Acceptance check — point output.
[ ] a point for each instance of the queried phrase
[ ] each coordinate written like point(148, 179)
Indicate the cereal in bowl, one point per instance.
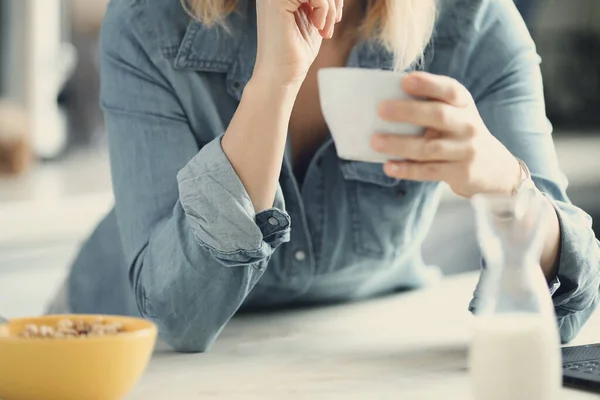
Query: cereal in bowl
point(67, 328)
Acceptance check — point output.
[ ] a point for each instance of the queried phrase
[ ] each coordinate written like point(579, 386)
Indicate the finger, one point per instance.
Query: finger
point(418, 148)
point(432, 134)
point(428, 114)
point(331, 18)
point(416, 171)
point(318, 16)
point(437, 87)
point(339, 6)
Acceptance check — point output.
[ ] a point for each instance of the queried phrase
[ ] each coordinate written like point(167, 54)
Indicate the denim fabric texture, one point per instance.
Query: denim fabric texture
point(183, 245)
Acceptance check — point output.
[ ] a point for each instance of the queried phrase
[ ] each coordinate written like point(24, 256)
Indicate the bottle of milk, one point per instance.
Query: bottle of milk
point(515, 352)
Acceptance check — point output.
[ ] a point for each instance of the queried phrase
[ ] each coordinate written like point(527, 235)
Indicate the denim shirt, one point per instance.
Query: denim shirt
point(184, 246)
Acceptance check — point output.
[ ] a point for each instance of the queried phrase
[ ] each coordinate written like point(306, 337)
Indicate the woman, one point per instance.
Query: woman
point(229, 192)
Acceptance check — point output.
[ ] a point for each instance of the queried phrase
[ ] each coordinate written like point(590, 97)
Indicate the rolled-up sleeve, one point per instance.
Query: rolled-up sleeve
point(502, 71)
point(221, 212)
point(193, 244)
point(578, 280)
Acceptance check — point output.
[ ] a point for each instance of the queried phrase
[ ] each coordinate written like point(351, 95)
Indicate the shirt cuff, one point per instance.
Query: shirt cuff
point(553, 286)
point(221, 213)
point(578, 274)
point(576, 286)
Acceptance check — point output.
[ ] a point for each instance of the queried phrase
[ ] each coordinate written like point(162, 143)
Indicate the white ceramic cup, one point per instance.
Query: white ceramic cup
point(349, 101)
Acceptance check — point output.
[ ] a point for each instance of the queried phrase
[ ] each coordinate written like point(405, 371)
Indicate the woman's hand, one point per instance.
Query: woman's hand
point(457, 148)
point(290, 33)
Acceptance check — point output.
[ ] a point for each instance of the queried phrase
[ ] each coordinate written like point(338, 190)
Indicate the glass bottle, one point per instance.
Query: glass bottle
point(515, 352)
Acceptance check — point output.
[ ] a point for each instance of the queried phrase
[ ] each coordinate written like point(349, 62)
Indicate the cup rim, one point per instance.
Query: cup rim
point(371, 71)
point(148, 329)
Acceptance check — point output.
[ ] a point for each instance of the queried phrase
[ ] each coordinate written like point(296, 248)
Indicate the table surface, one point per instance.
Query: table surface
point(409, 346)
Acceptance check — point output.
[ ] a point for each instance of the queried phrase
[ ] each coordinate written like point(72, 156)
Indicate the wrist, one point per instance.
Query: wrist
point(272, 80)
point(515, 176)
point(271, 92)
point(524, 180)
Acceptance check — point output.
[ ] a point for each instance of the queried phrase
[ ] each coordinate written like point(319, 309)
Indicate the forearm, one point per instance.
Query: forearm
point(551, 251)
point(255, 139)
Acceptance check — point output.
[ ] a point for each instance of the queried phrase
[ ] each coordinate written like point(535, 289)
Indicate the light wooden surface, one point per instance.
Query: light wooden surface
point(409, 346)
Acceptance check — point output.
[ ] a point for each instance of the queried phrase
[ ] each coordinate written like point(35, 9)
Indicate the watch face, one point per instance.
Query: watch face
point(525, 198)
point(528, 185)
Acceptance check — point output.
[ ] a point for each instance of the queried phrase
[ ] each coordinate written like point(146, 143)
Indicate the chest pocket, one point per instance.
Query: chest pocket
point(383, 210)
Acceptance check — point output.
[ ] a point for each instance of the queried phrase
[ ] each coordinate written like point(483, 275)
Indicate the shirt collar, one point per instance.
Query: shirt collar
point(233, 50)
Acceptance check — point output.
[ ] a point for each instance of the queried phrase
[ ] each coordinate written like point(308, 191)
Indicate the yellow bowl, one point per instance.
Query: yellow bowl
point(95, 368)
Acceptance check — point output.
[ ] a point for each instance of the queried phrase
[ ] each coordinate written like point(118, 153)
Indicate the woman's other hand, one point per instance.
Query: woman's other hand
point(456, 148)
point(290, 33)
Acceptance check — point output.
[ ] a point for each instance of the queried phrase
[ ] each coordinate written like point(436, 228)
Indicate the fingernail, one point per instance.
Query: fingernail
point(339, 15)
point(411, 83)
point(393, 168)
point(385, 108)
point(378, 143)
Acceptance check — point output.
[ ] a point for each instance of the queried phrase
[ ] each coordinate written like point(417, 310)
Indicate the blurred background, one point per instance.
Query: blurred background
point(54, 172)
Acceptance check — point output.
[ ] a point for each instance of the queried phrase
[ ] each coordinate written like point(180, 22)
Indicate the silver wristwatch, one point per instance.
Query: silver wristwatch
point(525, 183)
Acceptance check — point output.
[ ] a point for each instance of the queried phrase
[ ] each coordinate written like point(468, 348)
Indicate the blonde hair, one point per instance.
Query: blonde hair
point(404, 27)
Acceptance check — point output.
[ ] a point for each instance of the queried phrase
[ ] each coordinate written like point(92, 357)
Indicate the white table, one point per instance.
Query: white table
point(409, 346)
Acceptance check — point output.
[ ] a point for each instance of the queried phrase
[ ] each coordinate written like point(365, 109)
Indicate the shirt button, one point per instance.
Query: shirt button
point(300, 255)
point(273, 221)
